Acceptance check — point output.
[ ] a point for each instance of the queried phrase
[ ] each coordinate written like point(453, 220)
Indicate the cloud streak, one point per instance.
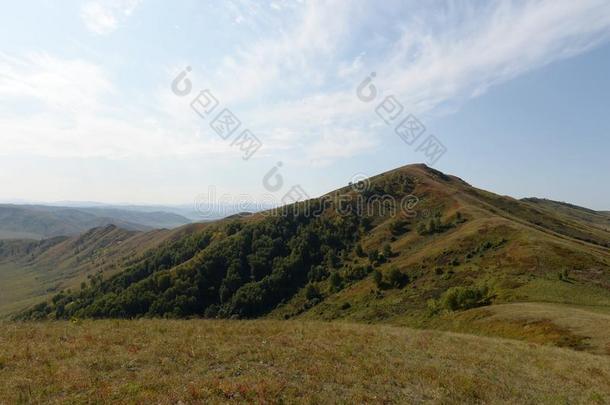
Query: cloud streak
point(429, 58)
point(294, 86)
point(104, 17)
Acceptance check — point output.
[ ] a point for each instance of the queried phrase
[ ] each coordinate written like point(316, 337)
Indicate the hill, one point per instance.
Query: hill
point(168, 361)
point(407, 247)
point(156, 219)
point(31, 271)
point(40, 221)
point(595, 219)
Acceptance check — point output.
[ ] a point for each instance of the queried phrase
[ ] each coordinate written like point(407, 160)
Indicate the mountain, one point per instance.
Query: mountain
point(189, 211)
point(411, 246)
point(39, 221)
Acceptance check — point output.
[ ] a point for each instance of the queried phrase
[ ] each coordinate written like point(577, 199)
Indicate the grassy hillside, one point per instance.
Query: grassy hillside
point(354, 262)
point(579, 328)
point(410, 248)
point(152, 219)
point(597, 219)
point(31, 271)
point(203, 361)
point(39, 222)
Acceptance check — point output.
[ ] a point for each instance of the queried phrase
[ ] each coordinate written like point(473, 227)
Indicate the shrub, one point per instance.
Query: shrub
point(398, 227)
point(336, 281)
point(461, 298)
point(331, 260)
point(396, 278)
point(211, 311)
point(367, 223)
point(374, 257)
point(357, 273)
point(387, 250)
point(378, 278)
point(311, 292)
point(359, 251)
point(317, 273)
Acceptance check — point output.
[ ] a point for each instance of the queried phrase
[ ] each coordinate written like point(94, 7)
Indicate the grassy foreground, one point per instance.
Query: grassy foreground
point(200, 361)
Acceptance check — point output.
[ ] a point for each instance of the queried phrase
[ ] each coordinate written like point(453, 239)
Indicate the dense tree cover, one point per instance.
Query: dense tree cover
point(113, 297)
point(240, 270)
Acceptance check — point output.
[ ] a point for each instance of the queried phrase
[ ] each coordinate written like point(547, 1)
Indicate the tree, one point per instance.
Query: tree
point(359, 251)
point(311, 292)
point(367, 223)
point(336, 281)
point(397, 227)
point(432, 226)
point(396, 278)
point(374, 256)
point(164, 281)
point(211, 311)
point(378, 278)
point(331, 259)
point(317, 273)
point(387, 250)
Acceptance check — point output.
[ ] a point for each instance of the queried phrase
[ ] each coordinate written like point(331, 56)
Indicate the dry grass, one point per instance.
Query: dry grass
point(196, 361)
point(580, 328)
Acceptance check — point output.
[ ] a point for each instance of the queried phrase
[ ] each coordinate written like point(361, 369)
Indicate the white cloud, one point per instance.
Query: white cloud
point(70, 108)
point(438, 57)
point(103, 17)
point(335, 144)
point(484, 46)
point(59, 84)
point(295, 87)
point(294, 58)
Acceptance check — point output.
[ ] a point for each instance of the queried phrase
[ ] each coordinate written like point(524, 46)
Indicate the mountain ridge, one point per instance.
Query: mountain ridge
point(41, 221)
point(294, 265)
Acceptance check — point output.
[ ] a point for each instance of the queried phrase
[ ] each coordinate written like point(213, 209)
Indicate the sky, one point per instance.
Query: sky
point(127, 101)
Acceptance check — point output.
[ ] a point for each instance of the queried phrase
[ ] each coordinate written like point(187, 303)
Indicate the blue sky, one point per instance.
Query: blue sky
point(517, 92)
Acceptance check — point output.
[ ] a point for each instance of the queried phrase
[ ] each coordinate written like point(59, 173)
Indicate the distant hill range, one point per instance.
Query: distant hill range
point(42, 221)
